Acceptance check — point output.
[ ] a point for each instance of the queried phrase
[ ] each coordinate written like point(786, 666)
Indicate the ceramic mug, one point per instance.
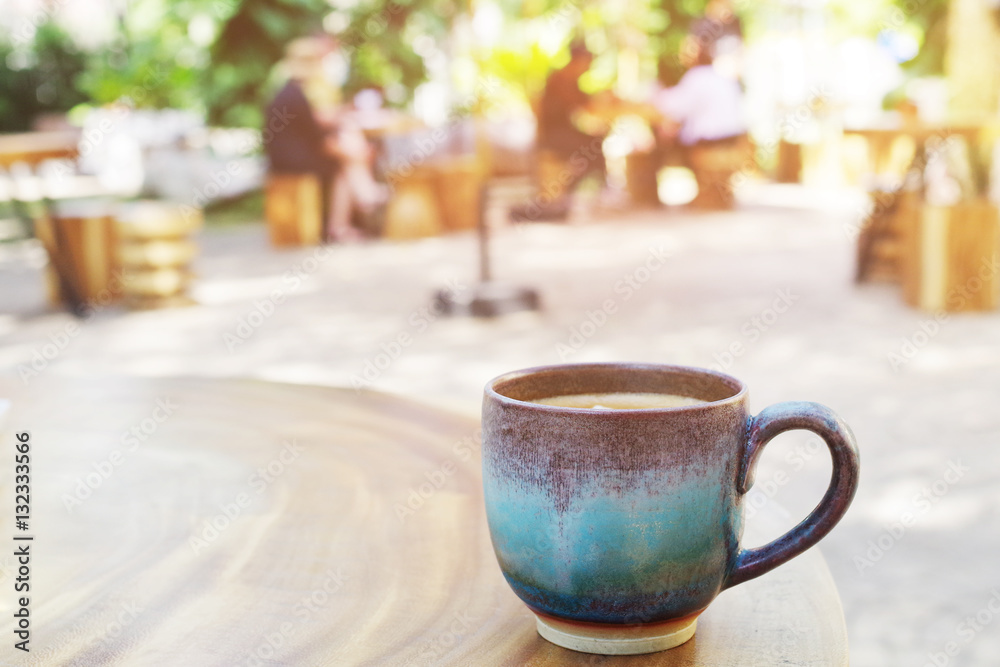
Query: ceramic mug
point(618, 527)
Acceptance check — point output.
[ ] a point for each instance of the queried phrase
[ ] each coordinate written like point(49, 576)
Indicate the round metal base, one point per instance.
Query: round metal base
point(488, 299)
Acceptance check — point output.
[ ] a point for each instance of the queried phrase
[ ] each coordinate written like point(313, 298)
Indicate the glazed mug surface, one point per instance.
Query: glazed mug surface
point(618, 527)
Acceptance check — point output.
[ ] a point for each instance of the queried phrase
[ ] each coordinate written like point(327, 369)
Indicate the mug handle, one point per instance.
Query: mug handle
point(822, 421)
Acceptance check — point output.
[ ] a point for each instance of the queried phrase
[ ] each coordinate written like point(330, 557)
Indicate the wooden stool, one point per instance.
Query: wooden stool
point(458, 186)
point(950, 257)
point(155, 252)
point(80, 238)
point(641, 170)
point(789, 169)
point(413, 210)
point(293, 207)
point(713, 166)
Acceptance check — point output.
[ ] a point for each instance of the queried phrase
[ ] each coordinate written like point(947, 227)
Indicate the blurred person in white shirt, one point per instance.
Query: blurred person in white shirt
point(705, 106)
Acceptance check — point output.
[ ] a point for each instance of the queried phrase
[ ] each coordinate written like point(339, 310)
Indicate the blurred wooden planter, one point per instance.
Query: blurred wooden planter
point(155, 252)
point(950, 257)
point(80, 238)
point(293, 207)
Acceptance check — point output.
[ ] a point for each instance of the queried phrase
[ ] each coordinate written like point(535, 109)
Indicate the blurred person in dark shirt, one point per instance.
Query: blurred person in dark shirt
point(571, 127)
point(308, 131)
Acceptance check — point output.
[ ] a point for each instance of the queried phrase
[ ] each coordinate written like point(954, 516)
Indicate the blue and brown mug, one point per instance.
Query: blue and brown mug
point(619, 526)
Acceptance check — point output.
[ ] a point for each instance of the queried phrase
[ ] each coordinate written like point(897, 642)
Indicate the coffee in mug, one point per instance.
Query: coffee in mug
point(622, 400)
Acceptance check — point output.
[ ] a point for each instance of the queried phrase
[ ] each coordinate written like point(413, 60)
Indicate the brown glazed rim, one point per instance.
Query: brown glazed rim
point(738, 388)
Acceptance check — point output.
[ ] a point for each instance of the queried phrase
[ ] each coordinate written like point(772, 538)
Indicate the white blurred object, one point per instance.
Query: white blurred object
point(866, 73)
point(487, 23)
point(368, 100)
point(431, 103)
point(336, 69)
point(170, 154)
point(930, 94)
point(676, 186)
point(123, 173)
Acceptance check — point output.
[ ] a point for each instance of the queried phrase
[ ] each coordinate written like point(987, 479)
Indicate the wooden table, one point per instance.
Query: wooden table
point(35, 147)
point(881, 139)
point(348, 530)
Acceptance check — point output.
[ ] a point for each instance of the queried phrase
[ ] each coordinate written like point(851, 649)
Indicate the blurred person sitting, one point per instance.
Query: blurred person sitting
point(570, 126)
point(705, 107)
point(703, 111)
point(313, 132)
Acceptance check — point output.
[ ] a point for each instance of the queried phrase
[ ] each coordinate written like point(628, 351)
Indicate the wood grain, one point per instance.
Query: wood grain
point(321, 565)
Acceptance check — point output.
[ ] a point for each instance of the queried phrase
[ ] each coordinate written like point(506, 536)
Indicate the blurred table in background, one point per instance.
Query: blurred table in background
point(892, 149)
point(254, 522)
point(34, 147)
point(937, 252)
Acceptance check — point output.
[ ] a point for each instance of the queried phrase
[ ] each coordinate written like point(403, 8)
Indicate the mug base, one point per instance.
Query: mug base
point(616, 640)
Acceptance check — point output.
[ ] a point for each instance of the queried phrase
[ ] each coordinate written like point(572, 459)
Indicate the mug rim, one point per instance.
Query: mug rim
point(739, 395)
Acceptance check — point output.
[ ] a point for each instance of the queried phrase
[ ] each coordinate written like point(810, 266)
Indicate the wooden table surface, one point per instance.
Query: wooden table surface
point(238, 522)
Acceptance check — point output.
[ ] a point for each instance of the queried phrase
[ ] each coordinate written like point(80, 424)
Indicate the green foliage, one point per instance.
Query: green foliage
point(38, 79)
point(153, 61)
point(250, 43)
point(158, 59)
point(930, 20)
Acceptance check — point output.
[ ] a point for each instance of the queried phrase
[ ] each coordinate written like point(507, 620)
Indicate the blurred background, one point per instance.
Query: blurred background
point(415, 196)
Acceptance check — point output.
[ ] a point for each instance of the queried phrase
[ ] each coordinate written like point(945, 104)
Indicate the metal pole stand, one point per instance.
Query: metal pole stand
point(488, 298)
